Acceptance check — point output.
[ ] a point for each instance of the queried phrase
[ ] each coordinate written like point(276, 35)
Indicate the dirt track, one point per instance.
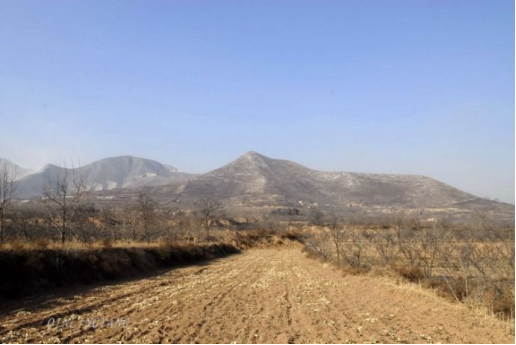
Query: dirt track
point(261, 295)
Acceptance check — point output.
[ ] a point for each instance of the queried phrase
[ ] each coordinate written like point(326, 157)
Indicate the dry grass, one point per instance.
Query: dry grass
point(28, 269)
point(475, 272)
point(43, 243)
point(44, 264)
point(264, 238)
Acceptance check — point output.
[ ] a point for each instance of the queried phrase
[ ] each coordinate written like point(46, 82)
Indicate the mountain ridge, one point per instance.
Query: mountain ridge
point(256, 182)
point(105, 174)
point(18, 170)
point(253, 180)
point(256, 174)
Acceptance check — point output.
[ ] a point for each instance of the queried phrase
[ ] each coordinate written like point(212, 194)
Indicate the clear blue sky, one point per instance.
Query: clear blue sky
point(422, 87)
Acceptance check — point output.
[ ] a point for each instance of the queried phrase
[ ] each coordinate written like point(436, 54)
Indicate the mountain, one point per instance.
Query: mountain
point(259, 183)
point(257, 180)
point(19, 171)
point(105, 174)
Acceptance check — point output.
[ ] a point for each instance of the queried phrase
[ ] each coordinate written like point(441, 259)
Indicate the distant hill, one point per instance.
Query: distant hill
point(105, 174)
point(257, 180)
point(19, 171)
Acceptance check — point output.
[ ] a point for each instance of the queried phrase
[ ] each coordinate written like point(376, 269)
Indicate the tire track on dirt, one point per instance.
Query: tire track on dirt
point(262, 295)
point(231, 280)
point(91, 301)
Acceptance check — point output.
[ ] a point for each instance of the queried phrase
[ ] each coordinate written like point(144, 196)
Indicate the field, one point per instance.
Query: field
point(180, 277)
point(260, 296)
point(475, 267)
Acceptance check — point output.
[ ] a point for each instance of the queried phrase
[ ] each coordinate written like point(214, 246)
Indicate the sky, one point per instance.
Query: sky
point(417, 87)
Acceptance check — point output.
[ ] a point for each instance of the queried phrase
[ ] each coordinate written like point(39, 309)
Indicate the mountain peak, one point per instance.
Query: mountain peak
point(19, 172)
point(250, 162)
point(253, 158)
point(252, 154)
point(49, 166)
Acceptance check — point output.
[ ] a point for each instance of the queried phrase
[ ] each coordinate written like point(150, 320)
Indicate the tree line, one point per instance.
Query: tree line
point(473, 263)
point(63, 214)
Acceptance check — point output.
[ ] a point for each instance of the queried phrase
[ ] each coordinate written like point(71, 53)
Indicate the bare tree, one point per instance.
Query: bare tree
point(129, 216)
point(111, 222)
point(386, 247)
point(193, 227)
point(8, 186)
point(210, 210)
point(147, 207)
point(83, 227)
point(336, 233)
point(62, 197)
point(355, 244)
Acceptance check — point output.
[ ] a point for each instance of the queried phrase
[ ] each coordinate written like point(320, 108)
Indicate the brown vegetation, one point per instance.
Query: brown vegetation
point(473, 266)
point(27, 271)
point(8, 185)
point(469, 264)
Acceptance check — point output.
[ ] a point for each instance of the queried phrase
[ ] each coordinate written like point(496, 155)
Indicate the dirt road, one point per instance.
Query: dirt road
point(261, 295)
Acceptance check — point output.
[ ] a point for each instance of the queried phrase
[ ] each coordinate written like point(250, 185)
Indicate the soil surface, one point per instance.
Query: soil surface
point(273, 295)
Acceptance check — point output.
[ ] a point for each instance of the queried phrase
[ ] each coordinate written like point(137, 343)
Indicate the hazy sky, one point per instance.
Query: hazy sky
point(422, 87)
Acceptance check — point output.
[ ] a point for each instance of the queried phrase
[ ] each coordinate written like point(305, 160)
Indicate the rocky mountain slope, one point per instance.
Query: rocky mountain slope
point(18, 170)
point(257, 180)
point(254, 176)
point(105, 174)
